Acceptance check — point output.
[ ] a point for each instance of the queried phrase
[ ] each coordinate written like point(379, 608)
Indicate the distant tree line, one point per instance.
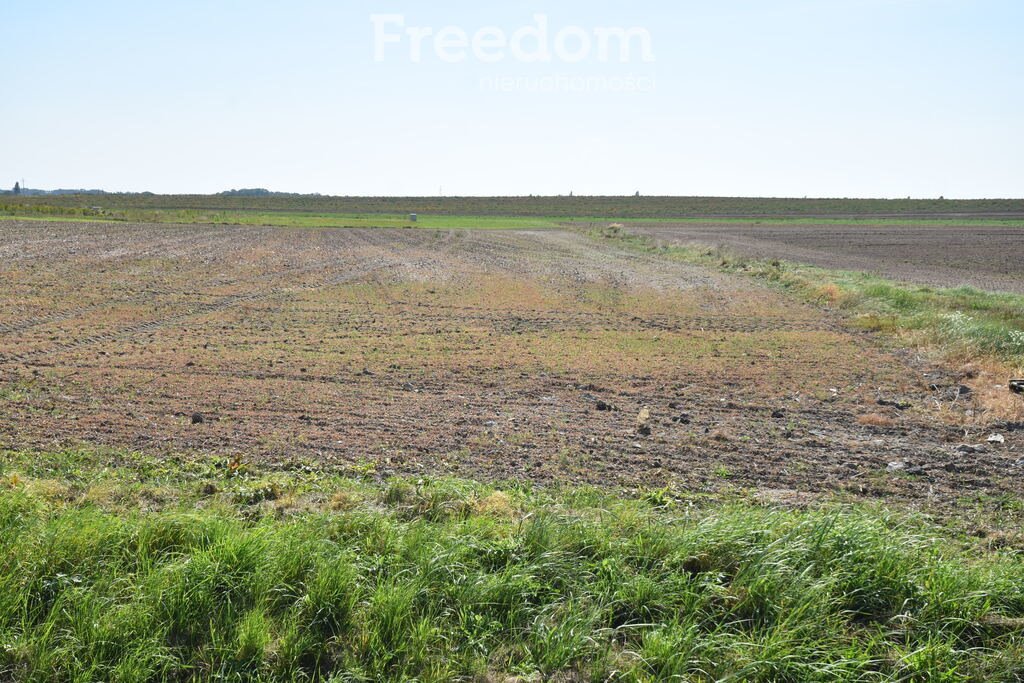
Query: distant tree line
point(28, 192)
point(246, 192)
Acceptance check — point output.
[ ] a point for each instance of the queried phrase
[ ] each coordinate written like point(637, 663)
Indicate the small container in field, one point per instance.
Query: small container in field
point(413, 218)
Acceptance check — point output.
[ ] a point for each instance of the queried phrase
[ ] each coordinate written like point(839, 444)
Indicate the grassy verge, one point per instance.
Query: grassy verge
point(963, 323)
point(117, 567)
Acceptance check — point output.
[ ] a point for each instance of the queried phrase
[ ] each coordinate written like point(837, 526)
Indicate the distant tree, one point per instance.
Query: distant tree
point(17, 188)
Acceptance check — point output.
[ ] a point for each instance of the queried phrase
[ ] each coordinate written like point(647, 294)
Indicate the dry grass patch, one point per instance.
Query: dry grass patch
point(876, 420)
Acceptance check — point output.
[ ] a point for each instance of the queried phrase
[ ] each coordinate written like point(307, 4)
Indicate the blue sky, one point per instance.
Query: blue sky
point(790, 98)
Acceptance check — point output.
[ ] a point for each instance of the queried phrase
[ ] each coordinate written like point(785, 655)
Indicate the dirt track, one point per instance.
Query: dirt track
point(486, 354)
point(985, 257)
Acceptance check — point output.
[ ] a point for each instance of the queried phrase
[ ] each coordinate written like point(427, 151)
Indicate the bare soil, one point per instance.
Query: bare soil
point(985, 257)
point(497, 355)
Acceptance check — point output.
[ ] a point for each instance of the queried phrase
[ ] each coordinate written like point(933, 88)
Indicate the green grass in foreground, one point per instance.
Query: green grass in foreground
point(963, 322)
point(118, 567)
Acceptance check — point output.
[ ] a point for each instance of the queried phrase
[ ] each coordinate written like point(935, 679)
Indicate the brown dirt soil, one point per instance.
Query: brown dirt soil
point(526, 355)
point(985, 257)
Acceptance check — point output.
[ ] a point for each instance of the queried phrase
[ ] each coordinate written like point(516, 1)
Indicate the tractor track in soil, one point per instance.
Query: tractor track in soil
point(192, 311)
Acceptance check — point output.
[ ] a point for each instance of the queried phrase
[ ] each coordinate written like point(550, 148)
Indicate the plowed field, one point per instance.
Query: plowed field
point(989, 257)
point(498, 355)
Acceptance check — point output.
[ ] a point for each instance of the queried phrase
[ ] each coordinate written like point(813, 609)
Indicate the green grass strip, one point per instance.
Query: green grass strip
point(115, 567)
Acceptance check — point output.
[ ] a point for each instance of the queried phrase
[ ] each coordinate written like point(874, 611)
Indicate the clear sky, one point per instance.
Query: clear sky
point(830, 98)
